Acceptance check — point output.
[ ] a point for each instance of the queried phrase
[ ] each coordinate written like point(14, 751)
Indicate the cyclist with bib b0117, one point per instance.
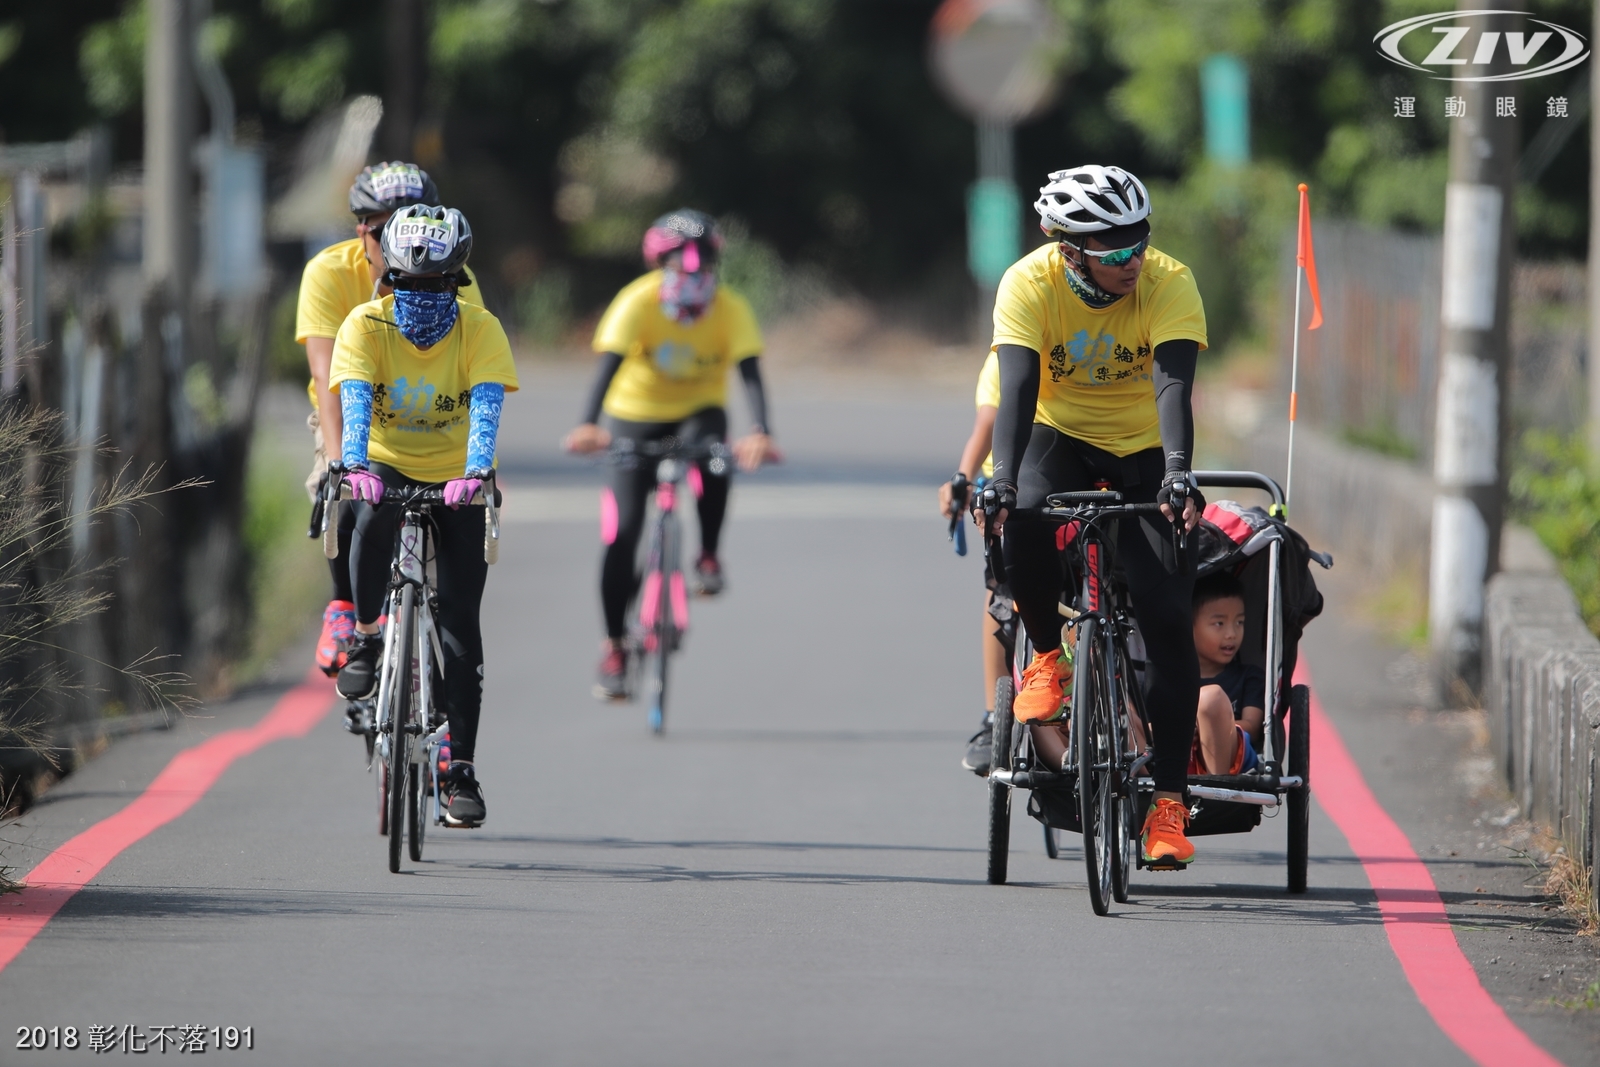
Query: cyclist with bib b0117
point(1097, 336)
point(665, 345)
point(335, 282)
point(421, 379)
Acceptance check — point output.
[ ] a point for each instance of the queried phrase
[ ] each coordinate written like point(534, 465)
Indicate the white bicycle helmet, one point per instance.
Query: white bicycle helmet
point(1090, 199)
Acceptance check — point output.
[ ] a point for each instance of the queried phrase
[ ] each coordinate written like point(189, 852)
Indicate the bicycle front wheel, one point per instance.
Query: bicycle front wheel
point(999, 794)
point(664, 636)
point(399, 720)
point(1094, 749)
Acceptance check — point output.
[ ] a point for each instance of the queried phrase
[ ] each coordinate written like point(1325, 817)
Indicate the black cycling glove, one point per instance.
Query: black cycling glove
point(1178, 486)
point(960, 488)
point(995, 498)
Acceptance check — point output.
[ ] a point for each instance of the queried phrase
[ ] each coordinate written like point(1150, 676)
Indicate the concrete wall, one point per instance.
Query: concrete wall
point(1542, 692)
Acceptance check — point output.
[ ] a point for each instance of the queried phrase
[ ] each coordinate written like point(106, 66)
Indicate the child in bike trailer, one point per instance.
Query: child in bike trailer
point(1097, 335)
point(336, 281)
point(954, 496)
point(421, 378)
point(665, 345)
point(1229, 719)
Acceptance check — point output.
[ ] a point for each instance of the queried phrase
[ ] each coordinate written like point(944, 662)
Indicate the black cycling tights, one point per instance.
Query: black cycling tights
point(1161, 595)
point(619, 577)
point(459, 575)
point(339, 566)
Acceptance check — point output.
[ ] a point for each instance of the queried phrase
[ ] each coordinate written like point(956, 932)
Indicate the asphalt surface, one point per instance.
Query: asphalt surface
point(794, 874)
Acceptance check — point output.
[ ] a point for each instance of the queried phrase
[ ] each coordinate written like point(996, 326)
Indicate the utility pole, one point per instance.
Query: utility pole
point(169, 124)
point(151, 580)
point(1471, 414)
point(403, 94)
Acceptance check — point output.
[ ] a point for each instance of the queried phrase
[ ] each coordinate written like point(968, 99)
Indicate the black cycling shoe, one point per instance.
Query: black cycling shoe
point(463, 796)
point(708, 580)
point(359, 675)
point(979, 757)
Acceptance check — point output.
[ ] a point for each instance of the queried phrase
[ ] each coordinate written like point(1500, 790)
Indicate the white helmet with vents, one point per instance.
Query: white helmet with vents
point(1090, 199)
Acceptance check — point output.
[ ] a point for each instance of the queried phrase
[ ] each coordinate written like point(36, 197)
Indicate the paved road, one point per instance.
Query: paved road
point(794, 875)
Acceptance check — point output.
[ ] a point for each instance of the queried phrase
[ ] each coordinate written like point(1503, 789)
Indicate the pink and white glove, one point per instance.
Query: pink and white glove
point(365, 486)
point(458, 491)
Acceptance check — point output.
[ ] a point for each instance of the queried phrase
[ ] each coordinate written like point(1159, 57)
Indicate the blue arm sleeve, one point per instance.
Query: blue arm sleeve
point(487, 400)
point(355, 400)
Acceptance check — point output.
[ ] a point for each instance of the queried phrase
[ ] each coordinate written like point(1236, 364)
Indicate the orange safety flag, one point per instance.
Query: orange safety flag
point(1306, 257)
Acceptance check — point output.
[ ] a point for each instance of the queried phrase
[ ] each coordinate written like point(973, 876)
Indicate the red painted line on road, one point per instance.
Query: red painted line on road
point(182, 782)
point(1413, 915)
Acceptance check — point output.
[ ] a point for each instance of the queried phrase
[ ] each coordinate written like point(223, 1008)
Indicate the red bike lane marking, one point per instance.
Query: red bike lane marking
point(184, 780)
point(1413, 914)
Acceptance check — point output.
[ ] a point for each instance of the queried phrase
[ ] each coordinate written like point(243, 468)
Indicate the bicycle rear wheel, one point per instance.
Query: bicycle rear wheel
point(399, 719)
point(1093, 748)
point(1000, 795)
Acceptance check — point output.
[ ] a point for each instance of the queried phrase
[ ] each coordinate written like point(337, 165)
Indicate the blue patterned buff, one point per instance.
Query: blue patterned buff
point(487, 400)
point(355, 400)
point(424, 318)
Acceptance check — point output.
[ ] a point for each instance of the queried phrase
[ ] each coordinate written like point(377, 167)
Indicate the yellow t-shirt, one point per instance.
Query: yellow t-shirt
point(336, 281)
point(670, 371)
point(989, 396)
point(420, 399)
point(1094, 364)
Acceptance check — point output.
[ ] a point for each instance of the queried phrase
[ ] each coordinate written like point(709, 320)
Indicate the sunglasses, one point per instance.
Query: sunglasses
point(447, 283)
point(1117, 257)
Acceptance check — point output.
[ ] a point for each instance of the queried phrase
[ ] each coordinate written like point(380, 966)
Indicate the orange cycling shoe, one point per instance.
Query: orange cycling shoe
point(1163, 843)
point(1045, 685)
point(338, 629)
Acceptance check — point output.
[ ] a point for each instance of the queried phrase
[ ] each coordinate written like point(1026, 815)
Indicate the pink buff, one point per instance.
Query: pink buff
point(657, 243)
point(691, 257)
point(650, 600)
point(696, 484)
point(608, 516)
point(680, 602)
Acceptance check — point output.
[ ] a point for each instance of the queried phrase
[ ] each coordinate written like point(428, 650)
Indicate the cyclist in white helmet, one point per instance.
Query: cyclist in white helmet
point(1097, 335)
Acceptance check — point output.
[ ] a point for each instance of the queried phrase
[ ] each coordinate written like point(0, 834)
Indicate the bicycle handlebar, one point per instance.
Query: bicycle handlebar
point(328, 511)
point(667, 448)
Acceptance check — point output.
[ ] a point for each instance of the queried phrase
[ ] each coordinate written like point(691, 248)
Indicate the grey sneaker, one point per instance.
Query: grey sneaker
point(978, 756)
point(708, 580)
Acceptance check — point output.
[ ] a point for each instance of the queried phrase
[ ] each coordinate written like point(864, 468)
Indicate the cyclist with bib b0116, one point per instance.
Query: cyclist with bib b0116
point(665, 345)
point(421, 379)
point(335, 282)
point(1097, 336)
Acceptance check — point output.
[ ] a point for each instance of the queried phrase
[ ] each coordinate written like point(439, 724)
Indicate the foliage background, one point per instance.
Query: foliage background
point(562, 126)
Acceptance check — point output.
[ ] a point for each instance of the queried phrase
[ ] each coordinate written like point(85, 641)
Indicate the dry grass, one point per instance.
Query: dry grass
point(1568, 880)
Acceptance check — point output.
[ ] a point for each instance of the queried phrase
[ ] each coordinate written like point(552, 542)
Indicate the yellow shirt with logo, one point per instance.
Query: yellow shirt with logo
point(337, 280)
point(421, 400)
point(989, 396)
point(671, 370)
point(1095, 381)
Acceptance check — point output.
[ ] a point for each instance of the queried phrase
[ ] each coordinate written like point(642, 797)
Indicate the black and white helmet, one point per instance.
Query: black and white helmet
point(426, 240)
point(1090, 199)
point(385, 187)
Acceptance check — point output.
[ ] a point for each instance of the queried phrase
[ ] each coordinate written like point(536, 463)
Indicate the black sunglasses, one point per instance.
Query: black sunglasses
point(444, 283)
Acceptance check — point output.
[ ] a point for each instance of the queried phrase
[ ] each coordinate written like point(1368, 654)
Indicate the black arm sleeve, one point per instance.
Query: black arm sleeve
point(750, 371)
point(1019, 398)
point(609, 362)
point(1173, 371)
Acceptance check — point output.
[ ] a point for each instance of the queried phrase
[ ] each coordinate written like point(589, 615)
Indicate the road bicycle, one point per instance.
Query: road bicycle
point(409, 735)
point(661, 617)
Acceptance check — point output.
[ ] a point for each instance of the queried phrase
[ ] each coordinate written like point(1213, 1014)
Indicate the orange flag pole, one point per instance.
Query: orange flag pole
point(1305, 269)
